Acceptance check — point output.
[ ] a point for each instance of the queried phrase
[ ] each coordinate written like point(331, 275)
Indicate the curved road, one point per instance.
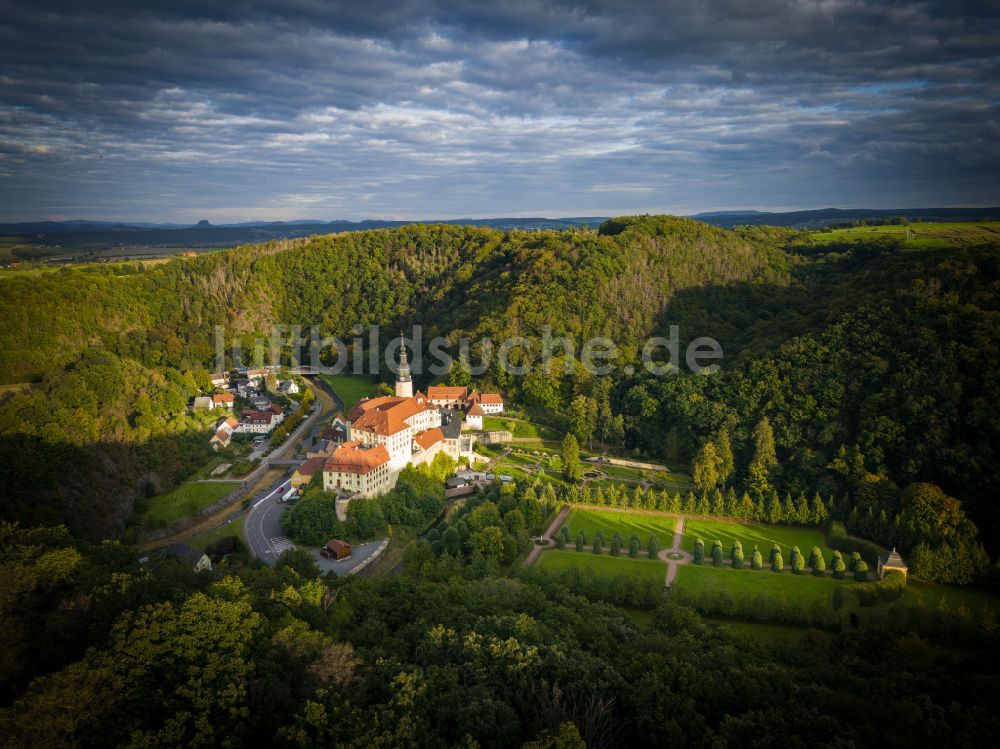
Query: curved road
point(262, 530)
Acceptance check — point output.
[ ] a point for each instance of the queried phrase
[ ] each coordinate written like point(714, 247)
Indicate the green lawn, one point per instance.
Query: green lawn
point(184, 501)
point(766, 632)
point(755, 533)
point(522, 429)
point(626, 523)
point(350, 388)
point(494, 423)
point(931, 595)
point(761, 595)
point(233, 529)
point(931, 234)
point(604, 564)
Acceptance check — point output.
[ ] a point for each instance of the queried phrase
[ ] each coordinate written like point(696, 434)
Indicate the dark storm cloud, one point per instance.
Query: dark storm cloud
point(224, 110)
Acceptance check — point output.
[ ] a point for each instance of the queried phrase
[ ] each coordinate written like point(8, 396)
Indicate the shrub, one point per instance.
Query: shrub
point(838, 566)
point(756, 559)
point(818, 563)
point(775, 551)
point(737, 555)
point(777, 563)
point(581, 540)
point(838, 538)
point(616, 545)
point(653, 549)
point(861, 571)
point(798, 561)
point(717, 553)
point(598, 544)
point(699, 551)
point(633, 548)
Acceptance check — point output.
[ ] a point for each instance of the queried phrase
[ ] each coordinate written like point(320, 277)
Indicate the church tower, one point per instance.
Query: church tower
point(404, 385)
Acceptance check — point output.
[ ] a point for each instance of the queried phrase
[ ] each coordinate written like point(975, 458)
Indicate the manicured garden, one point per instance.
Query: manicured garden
point(604, 564)
point(184, 501)
point(625, 523)
point(751, 534)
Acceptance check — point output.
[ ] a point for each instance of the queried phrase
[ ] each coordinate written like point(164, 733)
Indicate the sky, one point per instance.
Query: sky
point(182, 110)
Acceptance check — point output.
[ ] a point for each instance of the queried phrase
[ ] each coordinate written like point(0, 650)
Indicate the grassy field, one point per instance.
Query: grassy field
point(184, 501)
point(349, 388)
point(229, 530)
point(931, 595)
point(918, 235)
point(626, 523)
point(758, 595)
point(755, 533)
point(604, 564)
point(766, 632)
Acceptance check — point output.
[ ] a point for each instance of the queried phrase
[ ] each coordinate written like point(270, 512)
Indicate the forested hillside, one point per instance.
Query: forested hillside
point(872, 364)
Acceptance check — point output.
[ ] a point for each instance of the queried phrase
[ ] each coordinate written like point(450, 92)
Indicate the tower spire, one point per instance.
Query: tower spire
point(404, 384)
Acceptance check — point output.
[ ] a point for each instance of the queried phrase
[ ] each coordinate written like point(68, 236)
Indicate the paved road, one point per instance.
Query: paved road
point(263, 526)
point(262, 530)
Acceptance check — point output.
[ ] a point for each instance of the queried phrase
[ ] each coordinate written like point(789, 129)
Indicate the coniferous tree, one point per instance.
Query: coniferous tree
point(777, 563)
point(717, 553)
point(653, 548)
point(581, 540)
point(838, 566)
point(798, 561)
point(699, 551)
point(633, 547)
point(819, 563)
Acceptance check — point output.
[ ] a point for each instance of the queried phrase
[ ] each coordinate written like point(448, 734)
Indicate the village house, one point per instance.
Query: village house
point(260, 422)
point(474, 418)
point(305, 472)
point(223, 400)
point(219, 380)
point(338, 432)
point(202, 403)
point(461, 398)
point(223, 433)
point(288, 387)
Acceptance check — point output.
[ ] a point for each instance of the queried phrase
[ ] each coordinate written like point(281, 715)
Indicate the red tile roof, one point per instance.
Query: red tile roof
point(446, 392)
point(491, 398)
point(474, 411)
point(429, 437)
point(386, 415)
point(352, 458)
point(310, 467)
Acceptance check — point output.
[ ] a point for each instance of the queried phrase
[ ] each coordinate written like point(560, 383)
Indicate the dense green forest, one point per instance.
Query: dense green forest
point(458, 650)
point(871, 362)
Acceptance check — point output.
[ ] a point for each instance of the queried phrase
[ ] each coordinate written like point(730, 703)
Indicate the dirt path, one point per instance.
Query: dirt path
point(549, 535)
point(675, 549)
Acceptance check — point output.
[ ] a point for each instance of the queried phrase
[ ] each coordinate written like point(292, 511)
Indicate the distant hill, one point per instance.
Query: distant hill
point(115, 239)
point(827, 216)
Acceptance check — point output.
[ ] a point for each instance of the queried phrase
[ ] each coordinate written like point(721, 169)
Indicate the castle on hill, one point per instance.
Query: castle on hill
point(387, 433)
